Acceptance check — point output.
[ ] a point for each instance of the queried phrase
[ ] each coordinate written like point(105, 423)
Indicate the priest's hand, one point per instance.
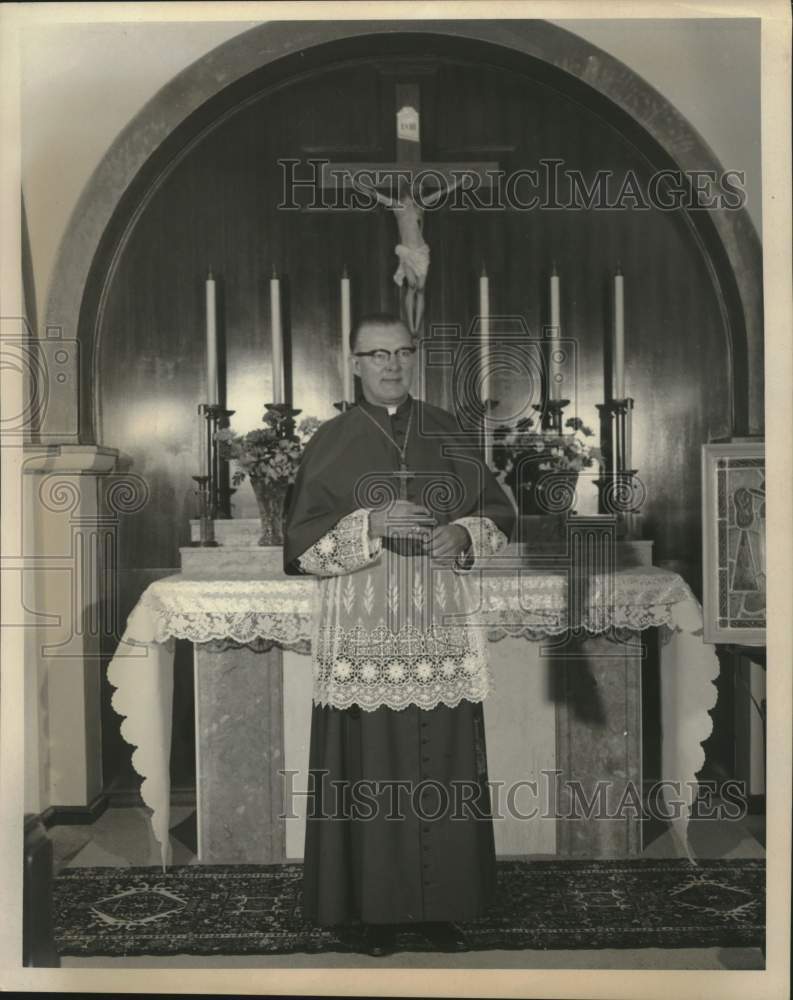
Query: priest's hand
point(448, 541)
point(402, 519)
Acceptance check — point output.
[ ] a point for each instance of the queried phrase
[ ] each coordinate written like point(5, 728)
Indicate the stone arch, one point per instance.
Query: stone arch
point(182, 108)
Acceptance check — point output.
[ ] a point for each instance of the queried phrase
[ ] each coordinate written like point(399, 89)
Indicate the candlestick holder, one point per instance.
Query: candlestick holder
point(284, 417)
point(620, 491)
point(284, 412)
point(551, 414)
point(217, 471)
point(205, 522)
point(621, 494)
point(616, 420)
point(485, 406)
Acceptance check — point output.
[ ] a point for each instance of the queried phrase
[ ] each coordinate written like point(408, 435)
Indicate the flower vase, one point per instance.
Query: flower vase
point(270, 496)
point(549, 491)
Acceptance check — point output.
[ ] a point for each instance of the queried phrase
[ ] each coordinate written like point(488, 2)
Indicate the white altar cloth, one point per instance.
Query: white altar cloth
point(530, 603)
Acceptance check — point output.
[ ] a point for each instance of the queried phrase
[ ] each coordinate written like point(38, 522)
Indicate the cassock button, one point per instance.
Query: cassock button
point(426, 759)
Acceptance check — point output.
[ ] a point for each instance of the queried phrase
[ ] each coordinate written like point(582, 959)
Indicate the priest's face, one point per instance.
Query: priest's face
point(384, 382)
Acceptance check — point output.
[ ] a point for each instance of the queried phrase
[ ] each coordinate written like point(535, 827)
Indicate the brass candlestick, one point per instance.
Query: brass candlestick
point(217, 471)
point(620, 491)
point(205, 520)
point(285, 415)
point(551, 414)
point(617, 419)
point(485, 407)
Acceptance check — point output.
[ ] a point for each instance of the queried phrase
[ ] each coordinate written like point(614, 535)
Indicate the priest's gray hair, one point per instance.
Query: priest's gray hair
point(379, 321)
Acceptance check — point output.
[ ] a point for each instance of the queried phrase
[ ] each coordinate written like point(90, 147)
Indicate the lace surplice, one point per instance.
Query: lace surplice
point(392, 629)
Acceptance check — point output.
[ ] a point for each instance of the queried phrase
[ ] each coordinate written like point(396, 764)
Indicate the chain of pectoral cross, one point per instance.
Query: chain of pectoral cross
point(403, 473)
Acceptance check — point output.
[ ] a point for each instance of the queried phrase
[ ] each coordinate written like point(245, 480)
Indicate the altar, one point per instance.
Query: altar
point(566, 784)
point(568, 642)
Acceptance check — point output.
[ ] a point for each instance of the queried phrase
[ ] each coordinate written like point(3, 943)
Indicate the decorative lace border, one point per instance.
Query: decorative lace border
point(291, 630)
point(179, 608)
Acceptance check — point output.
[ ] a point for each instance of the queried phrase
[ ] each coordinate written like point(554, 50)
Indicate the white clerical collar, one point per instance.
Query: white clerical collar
point(389, 408)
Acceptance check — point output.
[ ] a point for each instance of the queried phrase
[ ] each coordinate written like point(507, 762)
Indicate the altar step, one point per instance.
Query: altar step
point(238, 531)
point(234, 562)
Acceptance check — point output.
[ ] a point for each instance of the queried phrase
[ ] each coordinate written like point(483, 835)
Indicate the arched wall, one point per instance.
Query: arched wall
point(145, 146)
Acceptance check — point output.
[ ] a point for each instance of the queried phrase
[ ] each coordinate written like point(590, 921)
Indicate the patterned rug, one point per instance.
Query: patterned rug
point(256, 909)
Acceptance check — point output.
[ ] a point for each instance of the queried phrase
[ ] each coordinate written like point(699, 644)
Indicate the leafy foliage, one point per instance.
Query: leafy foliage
point(271, 453)
point(570, 452)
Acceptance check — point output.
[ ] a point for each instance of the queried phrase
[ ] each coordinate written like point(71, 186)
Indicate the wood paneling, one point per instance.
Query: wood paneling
point(216, 205)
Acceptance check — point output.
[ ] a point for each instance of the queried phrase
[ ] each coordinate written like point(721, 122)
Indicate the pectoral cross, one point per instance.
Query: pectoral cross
point(412, 250)
point(403, 476)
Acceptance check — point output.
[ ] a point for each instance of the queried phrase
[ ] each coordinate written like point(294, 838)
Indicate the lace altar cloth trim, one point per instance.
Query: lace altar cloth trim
point(527, 602)
point(243, 610)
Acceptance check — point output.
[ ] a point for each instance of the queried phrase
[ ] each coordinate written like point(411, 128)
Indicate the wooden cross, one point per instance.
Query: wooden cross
point(412, 250)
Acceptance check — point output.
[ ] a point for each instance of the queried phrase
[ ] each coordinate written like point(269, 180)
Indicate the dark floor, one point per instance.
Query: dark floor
point(122, 838)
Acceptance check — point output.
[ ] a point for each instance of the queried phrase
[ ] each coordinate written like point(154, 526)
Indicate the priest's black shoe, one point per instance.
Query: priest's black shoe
point(445, 936)
point(379, 940)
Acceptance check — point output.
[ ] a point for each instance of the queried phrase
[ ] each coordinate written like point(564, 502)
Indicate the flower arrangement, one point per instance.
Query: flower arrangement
point(569, 452)
point(521, 455)
point(269, 454)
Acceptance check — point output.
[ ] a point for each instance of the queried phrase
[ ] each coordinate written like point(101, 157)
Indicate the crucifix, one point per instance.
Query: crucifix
point(403, 477)
point(412, 175)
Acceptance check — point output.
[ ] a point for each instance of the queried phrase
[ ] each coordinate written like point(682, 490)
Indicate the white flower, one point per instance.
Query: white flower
point(369, 671)
point(424, 670)
point(448, 668)
point(342, 669)
point(326, 545)
point(395, 670)
point(470, 664)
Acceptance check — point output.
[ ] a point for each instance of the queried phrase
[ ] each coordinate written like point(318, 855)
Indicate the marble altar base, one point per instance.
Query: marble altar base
point(599, 745)
point(239, 752)
point(578, 714)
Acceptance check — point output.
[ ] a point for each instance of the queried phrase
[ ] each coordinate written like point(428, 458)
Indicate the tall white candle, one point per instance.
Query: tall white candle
point(555, 334)
point(619, 336)
point(484, 355)
point(276, 339)
point(212, 341)
point(347, 382)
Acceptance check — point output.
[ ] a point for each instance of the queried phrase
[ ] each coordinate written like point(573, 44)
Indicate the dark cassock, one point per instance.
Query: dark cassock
point(399, 826)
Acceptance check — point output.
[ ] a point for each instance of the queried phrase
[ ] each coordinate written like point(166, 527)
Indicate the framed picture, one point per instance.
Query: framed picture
point(733, 541)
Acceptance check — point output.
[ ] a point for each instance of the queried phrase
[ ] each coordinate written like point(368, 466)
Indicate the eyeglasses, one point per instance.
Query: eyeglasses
point(380, 357)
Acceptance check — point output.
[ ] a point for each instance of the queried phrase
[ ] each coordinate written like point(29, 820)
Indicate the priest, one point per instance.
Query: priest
point(392, 508)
